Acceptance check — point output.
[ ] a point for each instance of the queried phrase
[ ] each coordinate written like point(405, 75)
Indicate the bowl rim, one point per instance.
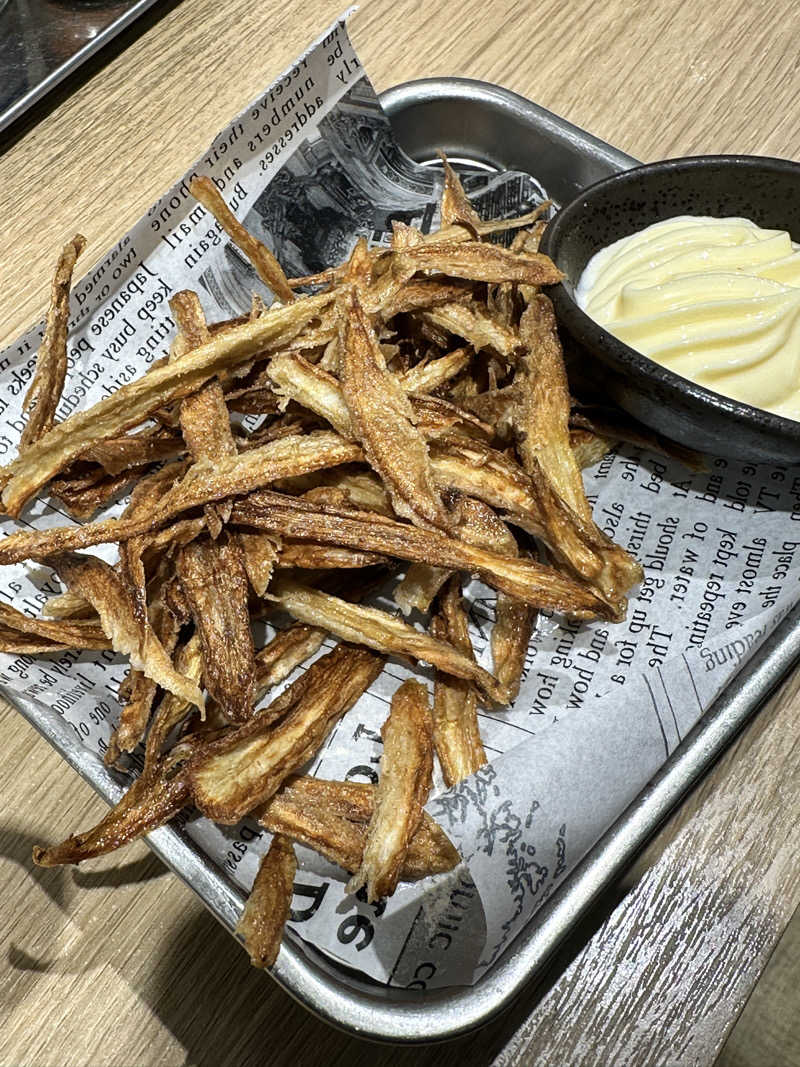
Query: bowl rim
point(672, 383)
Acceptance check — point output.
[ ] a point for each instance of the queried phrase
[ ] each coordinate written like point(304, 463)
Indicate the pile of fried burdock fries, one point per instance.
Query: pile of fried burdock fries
point(417, 429)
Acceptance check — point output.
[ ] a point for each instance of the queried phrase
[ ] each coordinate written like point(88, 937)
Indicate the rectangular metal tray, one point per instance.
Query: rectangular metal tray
point(486, 124)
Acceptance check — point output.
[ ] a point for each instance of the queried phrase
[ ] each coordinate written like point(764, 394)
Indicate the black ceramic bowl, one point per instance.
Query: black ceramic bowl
point(767, 191)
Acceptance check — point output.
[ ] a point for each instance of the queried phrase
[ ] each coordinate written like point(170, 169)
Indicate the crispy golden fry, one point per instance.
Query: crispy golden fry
point(77, 633)
point(144, 808)
point(152, 445)
point(141, 690)
point(436, 417)
point(420, 294)
point(588, 447)
point(475, 326)
point(287, 650)
point(172, 709)
point(383, 419)
point(68, 606)
point(85, 489)
point(480, 262)
point(533, 583)
point(44, 392)
point(331, 817)
point(102, 587)
point(244, 769)
point(617, 426)
point(432, 374)
point(203, 482)
point(456, 734)
point(260, 553)
point(510, 639)
point(131, 404)
point(204, 418)
point(214, 582)
point(377, 629)
point(267, 267)
point(455, 207)
point(403, 787)
point(495, 407)
point(541, 413)
point(297, 379)
point(270, 901)
point(311, 557)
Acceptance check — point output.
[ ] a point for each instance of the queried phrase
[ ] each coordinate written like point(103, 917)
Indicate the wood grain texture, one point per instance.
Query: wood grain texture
point(119, 963)
point(663, 980)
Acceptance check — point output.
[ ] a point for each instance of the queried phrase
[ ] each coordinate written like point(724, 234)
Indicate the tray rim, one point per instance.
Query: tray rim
point(373, 1011)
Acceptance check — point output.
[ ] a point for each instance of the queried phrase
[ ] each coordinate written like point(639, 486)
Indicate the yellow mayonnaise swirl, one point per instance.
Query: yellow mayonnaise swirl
point(715, 300)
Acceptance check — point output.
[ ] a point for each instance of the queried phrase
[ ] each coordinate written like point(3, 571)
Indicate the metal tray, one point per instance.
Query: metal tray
point(486, 124)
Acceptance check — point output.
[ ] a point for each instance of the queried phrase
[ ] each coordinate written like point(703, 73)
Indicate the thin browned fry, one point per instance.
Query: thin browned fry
point(94, 579)
point(495, 407)
point(172, 709)
point(480, 262)
point(383, 419)
point(455, 206)
point(267, 267)
point(406, 776)
point(617, 426)
point(541, 412)
point(456, 734)
point(270, 901)
point(476, 326)
point(419, 294)
point(312, 557)
point(144, 807)
point(331, 817)
point(132, 403)
point(203, 482)
point(204, 418)
point(534, 583)
point(260, 553)
point(379, 630)
point(44, 392)
point(510, 640)
point(589, 447)
point(432, 374)
point(76, 633)
point(287, 650)
point(244, 769)
point(151, 445)
point(214, 582)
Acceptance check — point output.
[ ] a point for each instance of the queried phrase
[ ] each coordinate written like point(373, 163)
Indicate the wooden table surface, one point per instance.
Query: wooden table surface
point(119, 963)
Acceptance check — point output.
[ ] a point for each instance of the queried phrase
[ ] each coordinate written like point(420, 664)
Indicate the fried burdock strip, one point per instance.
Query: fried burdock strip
point(478, 261)
point(267, 909)
point(260, 553)
point(244, 769)
point(266, 265)
point(94, 579)
point(617, 426)
point(132, 403)
point(312, 557)
point(151, 445)
point(456, 734)
point(455, 206)
point(173, 709)
point(432, 374)
point(475, 325)
point(214, 582)
point(66, 634)
point(383, 420)
point(287, 650)
point(202, 483)
point(377, 629)
point(588, 447)
point(44, 393)
point(534, 583)
point(406, 776)
point(331, 817)
point(146, 806)
point(542, 406)
point(204, 418)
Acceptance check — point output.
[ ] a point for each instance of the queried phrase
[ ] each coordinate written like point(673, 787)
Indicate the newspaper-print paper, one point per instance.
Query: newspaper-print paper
point(311, 165)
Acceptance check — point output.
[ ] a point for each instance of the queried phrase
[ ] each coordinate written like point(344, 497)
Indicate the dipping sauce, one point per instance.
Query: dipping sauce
point(715, 300)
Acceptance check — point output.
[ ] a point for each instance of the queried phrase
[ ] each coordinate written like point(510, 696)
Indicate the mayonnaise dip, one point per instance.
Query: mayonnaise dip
point(715, 300)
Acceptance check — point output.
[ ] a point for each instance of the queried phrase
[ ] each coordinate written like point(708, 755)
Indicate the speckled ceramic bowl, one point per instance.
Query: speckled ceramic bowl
point(764, 190)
